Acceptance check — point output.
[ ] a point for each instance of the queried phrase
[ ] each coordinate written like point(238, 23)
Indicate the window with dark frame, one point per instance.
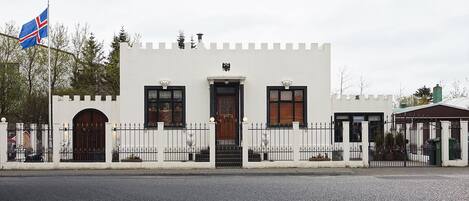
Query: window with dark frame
point(375, 125)
point(165, 105)
point(285, 106)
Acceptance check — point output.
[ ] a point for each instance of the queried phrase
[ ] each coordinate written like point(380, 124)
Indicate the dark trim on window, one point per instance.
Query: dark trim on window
point(183, 101)
point(292, 89)
point(350, 115)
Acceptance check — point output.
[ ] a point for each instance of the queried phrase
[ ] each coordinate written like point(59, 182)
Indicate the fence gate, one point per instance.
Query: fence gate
point(405, 144)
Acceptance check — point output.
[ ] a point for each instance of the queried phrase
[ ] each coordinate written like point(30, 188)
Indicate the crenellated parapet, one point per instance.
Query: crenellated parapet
point(86, 98)
point(362, 98)
point(360, 104)
point(231, 46)
point(66, 107)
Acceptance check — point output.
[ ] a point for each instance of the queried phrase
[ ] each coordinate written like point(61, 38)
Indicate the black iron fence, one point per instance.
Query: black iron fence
point(411, 142)
point(187, 144)
point(318, 143)
point(28, 143)
point(270, 143)
point(134, 143)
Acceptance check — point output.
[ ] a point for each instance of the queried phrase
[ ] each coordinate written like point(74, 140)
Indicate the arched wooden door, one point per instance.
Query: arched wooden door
point(89, 136)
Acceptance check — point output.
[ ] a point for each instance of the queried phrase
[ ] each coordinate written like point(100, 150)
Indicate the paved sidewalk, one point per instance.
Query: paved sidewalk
point(231, 172)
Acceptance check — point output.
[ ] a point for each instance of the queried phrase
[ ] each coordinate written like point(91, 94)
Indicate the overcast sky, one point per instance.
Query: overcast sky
point(393, 43)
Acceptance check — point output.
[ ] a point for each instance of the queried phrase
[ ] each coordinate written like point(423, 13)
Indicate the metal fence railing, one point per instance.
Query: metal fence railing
point(28, 143)
point(270, 143)
point(318, 143)
point(134, 143)
point(187, 144)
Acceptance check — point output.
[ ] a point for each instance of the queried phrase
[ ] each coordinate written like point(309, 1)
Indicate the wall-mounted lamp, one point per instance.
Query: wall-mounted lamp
point(165, 83)
point(287, 83)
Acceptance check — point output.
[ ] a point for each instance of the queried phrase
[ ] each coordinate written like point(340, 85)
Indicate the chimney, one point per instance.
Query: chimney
point(199, 37)
point(437, 94)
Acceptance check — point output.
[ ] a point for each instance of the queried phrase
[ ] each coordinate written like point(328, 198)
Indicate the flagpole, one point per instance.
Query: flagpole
point(48, 49)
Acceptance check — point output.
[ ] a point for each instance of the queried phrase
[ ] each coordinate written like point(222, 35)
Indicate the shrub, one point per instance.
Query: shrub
point(389, 141)
point(400, 141)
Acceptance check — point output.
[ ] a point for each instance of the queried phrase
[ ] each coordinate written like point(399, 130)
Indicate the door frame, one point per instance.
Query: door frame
point(239, 93)
point(90, 125)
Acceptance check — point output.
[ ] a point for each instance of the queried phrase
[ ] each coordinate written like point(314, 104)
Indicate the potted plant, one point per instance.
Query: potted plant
point(320, 157)
point(132, 158)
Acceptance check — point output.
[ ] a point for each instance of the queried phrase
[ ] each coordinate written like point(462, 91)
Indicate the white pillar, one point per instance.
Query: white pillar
point(108, 143)
point(212, 144)
point(410, 132)
point(56, 143)
point(161, 142)
point(33, 137)
point(398, 128)
point(419, 138)
point(246, 141)
point(346, 141)
point(3, 142)
point(45, 140)
point(365, 143)
point(296, 141)
point(445, 142)
point(432, 127)
point(464, 143)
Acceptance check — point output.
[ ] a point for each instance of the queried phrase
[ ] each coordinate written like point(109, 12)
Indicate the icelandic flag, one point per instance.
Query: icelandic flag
point(33, 31)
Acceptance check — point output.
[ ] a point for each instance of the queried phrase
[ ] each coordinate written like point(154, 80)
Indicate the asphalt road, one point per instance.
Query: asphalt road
point(236, 187)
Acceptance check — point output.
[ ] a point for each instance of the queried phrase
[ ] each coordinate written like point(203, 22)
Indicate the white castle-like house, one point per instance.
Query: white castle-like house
point(270, 85)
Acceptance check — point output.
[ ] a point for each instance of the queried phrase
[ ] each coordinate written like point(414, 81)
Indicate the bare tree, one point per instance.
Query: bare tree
point(78, 39)
point(60, 60)
point(459, 89)
point(32, 64)
point(363, 85)
point(344, 80)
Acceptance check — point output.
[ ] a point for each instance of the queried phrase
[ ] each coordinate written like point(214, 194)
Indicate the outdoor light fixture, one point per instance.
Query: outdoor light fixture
point(165, 83)
point(4, 119)
point(287, 83)
point(245, 119)
point(212, 119)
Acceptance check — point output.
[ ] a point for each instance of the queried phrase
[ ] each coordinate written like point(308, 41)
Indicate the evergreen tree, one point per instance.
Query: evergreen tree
point(89, 77)
point(180, 39)
point(112, 66)
point(424, 95)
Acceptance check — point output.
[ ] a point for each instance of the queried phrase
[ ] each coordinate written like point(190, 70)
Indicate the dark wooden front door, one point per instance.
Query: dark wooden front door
point(226, 115)
point(226, 118)
point(89, 136)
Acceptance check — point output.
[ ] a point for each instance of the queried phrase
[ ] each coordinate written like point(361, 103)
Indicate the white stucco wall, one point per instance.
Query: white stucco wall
point(65, 108)
point(350, 104)
point(263, 65)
